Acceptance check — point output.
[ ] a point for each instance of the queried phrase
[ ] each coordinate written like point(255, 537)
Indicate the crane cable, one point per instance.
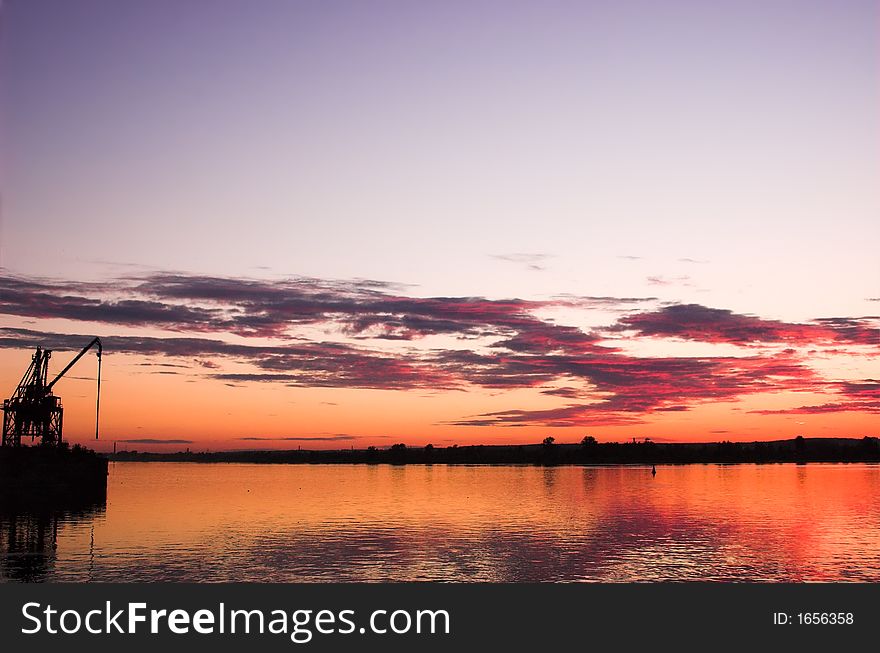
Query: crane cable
point(98, 399)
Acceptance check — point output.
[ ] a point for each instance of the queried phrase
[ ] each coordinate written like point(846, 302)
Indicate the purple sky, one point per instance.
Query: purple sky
point(386, 140)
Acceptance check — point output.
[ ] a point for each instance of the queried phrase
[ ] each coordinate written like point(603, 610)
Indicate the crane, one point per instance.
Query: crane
point(33, 410)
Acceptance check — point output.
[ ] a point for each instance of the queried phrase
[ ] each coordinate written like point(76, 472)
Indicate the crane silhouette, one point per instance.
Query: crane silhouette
point(33, 410)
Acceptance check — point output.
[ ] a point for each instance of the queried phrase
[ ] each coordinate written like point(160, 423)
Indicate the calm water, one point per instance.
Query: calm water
point(225, 522)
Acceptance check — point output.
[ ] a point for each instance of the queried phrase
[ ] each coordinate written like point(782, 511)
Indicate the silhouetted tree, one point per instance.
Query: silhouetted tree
point(549, 449)
point(589, 447)
point(397, 453)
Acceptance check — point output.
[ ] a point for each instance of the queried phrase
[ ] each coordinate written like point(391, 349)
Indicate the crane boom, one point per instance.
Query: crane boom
point(95, 341)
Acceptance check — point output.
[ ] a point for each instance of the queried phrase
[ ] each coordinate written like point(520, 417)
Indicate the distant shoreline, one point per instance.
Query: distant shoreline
point(798, 450)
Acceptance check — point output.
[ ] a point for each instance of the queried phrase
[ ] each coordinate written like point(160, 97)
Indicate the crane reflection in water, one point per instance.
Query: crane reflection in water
point(29, 538)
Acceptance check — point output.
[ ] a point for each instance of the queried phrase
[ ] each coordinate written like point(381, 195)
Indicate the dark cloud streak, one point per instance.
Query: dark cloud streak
point(519, 349)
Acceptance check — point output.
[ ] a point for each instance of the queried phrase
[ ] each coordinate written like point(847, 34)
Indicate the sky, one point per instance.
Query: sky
point(328, 224)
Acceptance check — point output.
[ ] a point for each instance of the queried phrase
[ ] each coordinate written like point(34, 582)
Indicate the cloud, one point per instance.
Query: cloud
point(534, 262)
point(625, 383)
point(272, 309)
point(832, 407)
point(313, 364)
point(500, 343)
point(316, 438)
point(862, 331)
point(608, 303)
point(155, 441)
point(574, 415)
point(714, 325)
point(567, 392)
point(850, 396)
point(866, 389)
point(682, 280)
point(40, 300)
point(629, 388)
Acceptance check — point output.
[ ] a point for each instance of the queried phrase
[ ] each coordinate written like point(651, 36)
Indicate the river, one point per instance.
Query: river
point(314, 523)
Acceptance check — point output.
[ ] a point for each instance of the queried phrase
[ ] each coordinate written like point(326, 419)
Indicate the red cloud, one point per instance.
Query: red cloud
point(851, 396)
point(714, 325)
point(525, 351)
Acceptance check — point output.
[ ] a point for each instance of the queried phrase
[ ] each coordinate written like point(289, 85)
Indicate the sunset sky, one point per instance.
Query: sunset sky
point(332, 224)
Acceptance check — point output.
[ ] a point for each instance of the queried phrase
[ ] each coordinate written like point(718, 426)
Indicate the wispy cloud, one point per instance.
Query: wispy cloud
point(315, 438)
point(682, 280)
point(534, 262)
point(851, 396)
point(500, 343)
point(155, 441)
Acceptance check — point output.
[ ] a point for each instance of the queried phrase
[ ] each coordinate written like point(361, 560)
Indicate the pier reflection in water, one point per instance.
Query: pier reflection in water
point(313, 523)
point(29, 537)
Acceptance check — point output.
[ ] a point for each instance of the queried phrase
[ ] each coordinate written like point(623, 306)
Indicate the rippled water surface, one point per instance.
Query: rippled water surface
point(230, 522)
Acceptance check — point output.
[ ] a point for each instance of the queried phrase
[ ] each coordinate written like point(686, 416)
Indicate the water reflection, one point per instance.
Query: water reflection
point(28, 545)
point(29, 537)
point(285, 523)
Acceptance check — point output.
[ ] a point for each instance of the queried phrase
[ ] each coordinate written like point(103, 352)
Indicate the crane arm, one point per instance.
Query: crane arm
point(95, 341)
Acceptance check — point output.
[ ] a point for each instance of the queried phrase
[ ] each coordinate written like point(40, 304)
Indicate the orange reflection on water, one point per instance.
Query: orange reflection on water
point(179, 521)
